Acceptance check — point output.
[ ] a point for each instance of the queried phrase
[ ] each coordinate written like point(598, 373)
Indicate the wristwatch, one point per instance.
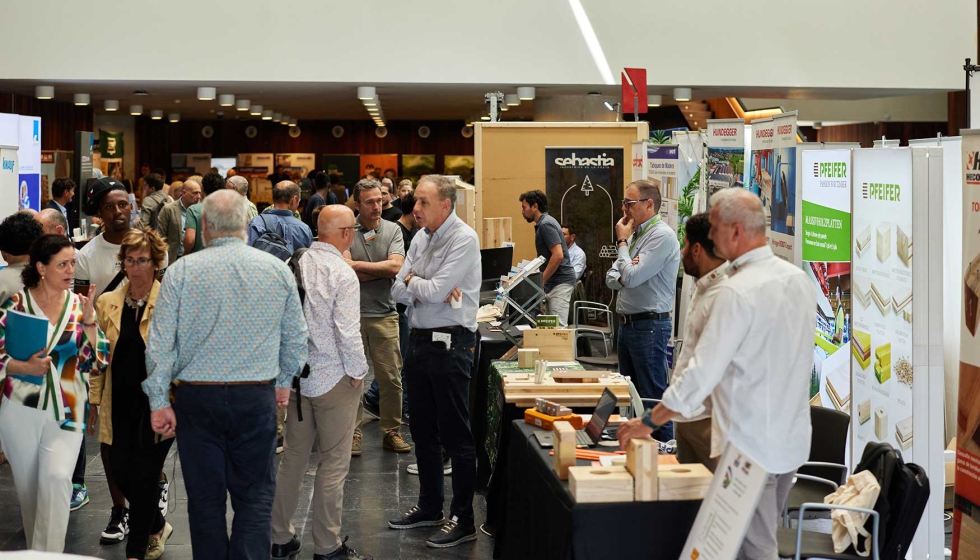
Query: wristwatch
point(648, 422)
point(618, 241)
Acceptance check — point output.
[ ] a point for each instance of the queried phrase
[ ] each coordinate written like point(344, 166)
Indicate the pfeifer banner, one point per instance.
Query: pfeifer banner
point(772, 177)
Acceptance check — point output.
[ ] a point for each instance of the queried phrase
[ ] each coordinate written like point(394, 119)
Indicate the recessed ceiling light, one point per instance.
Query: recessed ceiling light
point(365, 92)
point(111, 105)
point(136, 110)
point(512, 99)
point(206, 93)
point(525, 93)
point(44, 92)
point(255, 110)
point(682, 94)
point(243, 104)
point(276, 117)
point(484, 117)
point(174, 117)
point(226, 99)
point(654, 100)
point(293, 121)
point(285, 120)
point(267, 115)
point(81, 99)
point(156, 114)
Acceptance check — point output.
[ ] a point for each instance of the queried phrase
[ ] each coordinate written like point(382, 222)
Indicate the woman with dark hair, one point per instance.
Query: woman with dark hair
point(45, 398)
point(119, 405)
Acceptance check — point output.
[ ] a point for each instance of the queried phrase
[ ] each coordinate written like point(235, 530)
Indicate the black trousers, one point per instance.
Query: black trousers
point(137, 472)
point(439, 381)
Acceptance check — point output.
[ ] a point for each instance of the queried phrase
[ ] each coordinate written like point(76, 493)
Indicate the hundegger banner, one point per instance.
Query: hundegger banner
point(725, 163)
point(772, 177)
point(826, 240)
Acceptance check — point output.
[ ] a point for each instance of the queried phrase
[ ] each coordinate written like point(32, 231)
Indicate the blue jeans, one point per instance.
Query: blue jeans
point(373, 396)
point(226, 437)
point(643, 357)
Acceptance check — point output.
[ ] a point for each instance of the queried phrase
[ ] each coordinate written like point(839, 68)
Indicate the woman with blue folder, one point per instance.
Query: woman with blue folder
point(50, 346)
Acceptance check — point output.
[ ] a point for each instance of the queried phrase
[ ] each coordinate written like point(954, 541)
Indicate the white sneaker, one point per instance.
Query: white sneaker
point(447, 468)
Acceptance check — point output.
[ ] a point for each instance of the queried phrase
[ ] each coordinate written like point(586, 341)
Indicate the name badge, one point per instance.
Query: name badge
point(369, 235)
point(445, 338)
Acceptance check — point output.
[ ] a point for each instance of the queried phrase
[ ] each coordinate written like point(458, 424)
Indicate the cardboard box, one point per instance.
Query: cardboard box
point(600, 484)
point(554, 345)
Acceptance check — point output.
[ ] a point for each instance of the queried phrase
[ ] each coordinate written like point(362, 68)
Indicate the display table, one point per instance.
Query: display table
point(543, 521)
point(490, 347)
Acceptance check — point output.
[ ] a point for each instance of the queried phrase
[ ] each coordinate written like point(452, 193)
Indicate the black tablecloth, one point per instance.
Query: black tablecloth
point(543, 521)
point(491, 346)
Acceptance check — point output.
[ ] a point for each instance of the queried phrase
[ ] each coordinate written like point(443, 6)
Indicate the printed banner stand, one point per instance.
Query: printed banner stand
point(725, 165)
point(724, 515)
point(772, 177)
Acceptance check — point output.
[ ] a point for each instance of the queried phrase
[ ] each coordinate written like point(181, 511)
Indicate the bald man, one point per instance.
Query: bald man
point(52, 221)
point(327, 399)
point(752, 359)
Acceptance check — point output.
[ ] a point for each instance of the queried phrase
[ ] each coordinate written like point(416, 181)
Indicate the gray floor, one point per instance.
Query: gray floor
point(377, 489)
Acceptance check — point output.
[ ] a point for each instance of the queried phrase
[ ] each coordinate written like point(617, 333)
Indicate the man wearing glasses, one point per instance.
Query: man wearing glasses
point(645, 275)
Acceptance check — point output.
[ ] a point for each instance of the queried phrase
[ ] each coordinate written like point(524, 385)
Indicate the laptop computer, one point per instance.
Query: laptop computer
point(590, 435)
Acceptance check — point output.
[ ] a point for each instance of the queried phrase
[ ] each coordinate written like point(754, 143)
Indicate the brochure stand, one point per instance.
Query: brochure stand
point(505, 299)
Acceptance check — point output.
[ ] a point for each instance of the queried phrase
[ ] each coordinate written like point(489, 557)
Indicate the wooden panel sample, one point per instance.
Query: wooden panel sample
point(684, 482)
point(554, 345)
point(564, 444)
point(642, 463)
point(600, 484)
point(526, 357)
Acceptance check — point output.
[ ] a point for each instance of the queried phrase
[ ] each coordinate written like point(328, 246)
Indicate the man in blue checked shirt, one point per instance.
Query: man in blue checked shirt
point(645, 275)
point(228, 326)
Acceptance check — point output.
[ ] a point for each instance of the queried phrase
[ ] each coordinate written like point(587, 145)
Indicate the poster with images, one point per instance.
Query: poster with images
point(257, 168)
point(966, 514)
point(12, 196)
point(659, 163)
point(725, 160)
point(415, 166)
point(111, 144)
point(298, 166)
point(826, 244)
point(584, 186)
point(29, 157)
point(464, 166)
point(772, 177)
point(200, 162)
point(379, 164)
point(881, 288)
point(346, 167)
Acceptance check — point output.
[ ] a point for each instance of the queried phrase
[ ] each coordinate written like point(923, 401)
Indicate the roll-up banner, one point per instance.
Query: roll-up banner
point(826, 244)
point(29, 159)
point(257, 168)
point(725, 166)
point(772, 177)
point(659, 163)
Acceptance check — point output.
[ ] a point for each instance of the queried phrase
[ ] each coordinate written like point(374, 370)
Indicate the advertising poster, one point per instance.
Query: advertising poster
point(54, 164)
point(772, 177)
point(966, 514)
point(298, 166)
point(111, 144)
point(827, 261)
point(415, 166)
point(584, 187)
point(200, 162)
point(726, 156)
point(881, 333)
point(464, 166)
point(10, 190)
point(345, 166)
point(378, 164)
point(257, 168)
point(659, 163)
point(29, 157)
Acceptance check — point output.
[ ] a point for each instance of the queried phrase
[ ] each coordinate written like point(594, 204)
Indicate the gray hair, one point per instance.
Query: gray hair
point(738, 206)
point(365, 185)
point(649, 189)
point(240, 184)
point(444, 186)
point(54, 217)
point(284, 191)
point(404, 182)
point(226, 214)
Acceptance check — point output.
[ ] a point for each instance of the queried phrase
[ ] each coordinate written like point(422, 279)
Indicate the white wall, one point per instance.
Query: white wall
point(831, 43)
point(930, 107)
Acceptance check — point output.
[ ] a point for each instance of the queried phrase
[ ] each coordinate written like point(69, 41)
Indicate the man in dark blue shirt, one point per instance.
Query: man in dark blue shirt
point(558, 275)
point(322, 197)
point(280, 219)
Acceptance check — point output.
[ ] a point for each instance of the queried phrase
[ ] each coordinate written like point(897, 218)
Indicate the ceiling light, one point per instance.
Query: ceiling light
point(682, 94)
point(484, 117)
point(373, 110)
point(371, 102)
point(365, 92)
point(525, 93)
point(206, 93)
point(111, 105)
point(276, 117)
point(44, 92)
point(255, 110)
point(512, 99)
point(156, 114)
point(81, 99)
point(285, 120)
point(504, 108)
point(591, 41)
point(654, 100)
point(174, 117)
point(242, 104)
point(292, 121)
point(226, 99)
point(267, 115)
point(136, 110)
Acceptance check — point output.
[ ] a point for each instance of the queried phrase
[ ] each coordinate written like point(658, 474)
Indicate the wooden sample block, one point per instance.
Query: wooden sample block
point(903, 433)
point(883, 247)
point(600, 484)
point(883, 362)
point(903, 246)
point(641, 462)
point(564, 445)
point(881, 423)
point(554, 345)
point(862, 240)
point(864, 411)
point(683, 482)
point(496, 232)
point(971, 295)
point(526, 357)
point(578, 376)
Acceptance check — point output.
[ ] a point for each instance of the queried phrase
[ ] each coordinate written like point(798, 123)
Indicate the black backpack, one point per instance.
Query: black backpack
point(273, 243)
point(903, 497)
point(293, 264)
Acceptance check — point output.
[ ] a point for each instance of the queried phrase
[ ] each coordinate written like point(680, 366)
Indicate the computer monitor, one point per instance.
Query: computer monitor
point(603, 410)
point(496, 262)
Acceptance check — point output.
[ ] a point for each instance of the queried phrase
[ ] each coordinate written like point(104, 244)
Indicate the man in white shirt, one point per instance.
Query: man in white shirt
point(700, 262)
point(575, 253)
point(330, 393)
point(753, 359)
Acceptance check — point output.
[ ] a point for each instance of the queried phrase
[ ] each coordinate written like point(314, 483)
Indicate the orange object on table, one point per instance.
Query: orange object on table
point(541, 420)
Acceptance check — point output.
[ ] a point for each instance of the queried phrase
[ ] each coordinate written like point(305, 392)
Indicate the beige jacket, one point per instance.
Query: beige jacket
point(171, 229)
point(109, 310)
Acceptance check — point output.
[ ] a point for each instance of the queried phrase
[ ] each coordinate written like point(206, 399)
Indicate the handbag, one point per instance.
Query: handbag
point(861, 490)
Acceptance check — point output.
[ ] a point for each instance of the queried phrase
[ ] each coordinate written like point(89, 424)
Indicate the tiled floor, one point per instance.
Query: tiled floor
point(378, 489)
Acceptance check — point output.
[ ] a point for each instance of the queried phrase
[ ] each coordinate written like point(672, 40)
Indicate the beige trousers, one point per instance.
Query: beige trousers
point(329, 421)
point(380, 338)
point(694, 443)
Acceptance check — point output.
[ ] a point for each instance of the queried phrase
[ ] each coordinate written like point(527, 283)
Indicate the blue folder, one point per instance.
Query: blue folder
point(25, 335)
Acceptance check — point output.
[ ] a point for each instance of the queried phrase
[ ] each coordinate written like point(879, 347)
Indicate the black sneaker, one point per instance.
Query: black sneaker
point(118, 527)
point(451, 534)
point(343, 553)
point(288, 550)
point(417, 518)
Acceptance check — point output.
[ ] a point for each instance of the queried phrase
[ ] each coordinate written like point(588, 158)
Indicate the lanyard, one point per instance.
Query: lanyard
point(639, 234)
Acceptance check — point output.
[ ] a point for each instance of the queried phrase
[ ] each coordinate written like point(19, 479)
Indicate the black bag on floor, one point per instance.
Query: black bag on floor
point(903, 497)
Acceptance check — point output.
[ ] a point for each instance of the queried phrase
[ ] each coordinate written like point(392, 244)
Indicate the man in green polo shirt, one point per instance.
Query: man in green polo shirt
point(193, 232)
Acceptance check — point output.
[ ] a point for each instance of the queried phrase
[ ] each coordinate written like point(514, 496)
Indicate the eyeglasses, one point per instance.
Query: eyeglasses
point(627, 202)
point(140, 263)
